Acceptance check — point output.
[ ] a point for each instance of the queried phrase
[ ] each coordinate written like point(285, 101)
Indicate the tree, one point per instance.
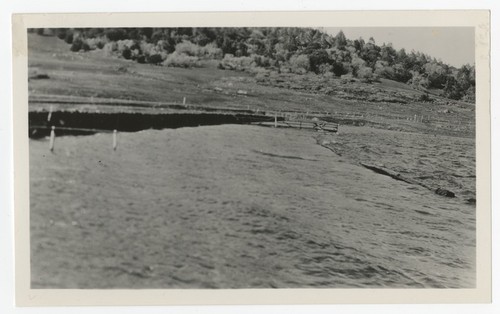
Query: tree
point(382, 69)
point(359, 44)
point(437, 74)
point(68, 38)
point(115, 34)
point(356, 64)
point(127, 53)
point(303, 49)
point(388, 54)
point(317, 58)
point(366, 74)
point(299, 63)
point(370, 53)
point(340, 40)
point(401, 73)
point(419, 81)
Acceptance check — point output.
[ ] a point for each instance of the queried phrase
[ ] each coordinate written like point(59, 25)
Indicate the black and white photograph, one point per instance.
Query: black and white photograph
point(252, 157)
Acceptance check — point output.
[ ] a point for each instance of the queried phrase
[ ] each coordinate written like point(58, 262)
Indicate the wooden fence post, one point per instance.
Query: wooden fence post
point(275, 119)
point(52, 138)
point(115, 144)
point(50, 113)
point(184, 101)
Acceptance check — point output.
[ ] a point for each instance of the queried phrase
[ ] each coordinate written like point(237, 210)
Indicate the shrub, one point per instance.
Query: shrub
point(325, 69)
point(95, 43)
point(136, 53)
point(401, 74)
point(418, 81)
point(356, 64)
point(147, 48)
point(100, 44)
point(154, 59)
point(181, 60)
point(366, 74)
point(110, 47)
point(85, 46)
point(210, 51)
point(261, 61)
point(299, 63)
point(424, 97)
point(127, 43)
point(318, 58)
point(77, 45)
point(470, 95)
point(68, 38)
point(141, 59)
point(61, 33)
point(230, 62)
point(341, 68)
point(127, 53)
point(188, 48)
point(383, 69)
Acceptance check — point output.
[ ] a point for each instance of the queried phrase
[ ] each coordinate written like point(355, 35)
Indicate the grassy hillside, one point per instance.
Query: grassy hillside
point(283, 49)
point(57, 72)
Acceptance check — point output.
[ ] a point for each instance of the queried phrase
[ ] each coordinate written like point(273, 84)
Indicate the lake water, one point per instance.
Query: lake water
point(248, 207)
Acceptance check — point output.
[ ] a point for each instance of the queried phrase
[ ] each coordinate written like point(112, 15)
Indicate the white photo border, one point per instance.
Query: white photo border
point(25, 296)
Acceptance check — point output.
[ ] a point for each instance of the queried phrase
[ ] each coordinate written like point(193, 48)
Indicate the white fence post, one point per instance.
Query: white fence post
point(115, 144)
point(52, 138)
point(50, 113)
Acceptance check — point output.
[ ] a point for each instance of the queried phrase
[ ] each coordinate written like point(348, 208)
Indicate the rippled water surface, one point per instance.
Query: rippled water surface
point(247, 207)
point(432, 160)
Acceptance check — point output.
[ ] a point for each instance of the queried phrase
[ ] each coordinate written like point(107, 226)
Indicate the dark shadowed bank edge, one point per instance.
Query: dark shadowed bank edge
point(28, 297)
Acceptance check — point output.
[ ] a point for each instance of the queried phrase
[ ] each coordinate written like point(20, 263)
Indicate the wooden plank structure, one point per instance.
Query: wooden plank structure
point(317, 125)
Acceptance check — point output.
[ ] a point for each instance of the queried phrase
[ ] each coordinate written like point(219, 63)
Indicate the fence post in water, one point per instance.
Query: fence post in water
point(52, 138)
point(50, 113)
point(114, 140)
point(275, 119)
point(184, 101)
